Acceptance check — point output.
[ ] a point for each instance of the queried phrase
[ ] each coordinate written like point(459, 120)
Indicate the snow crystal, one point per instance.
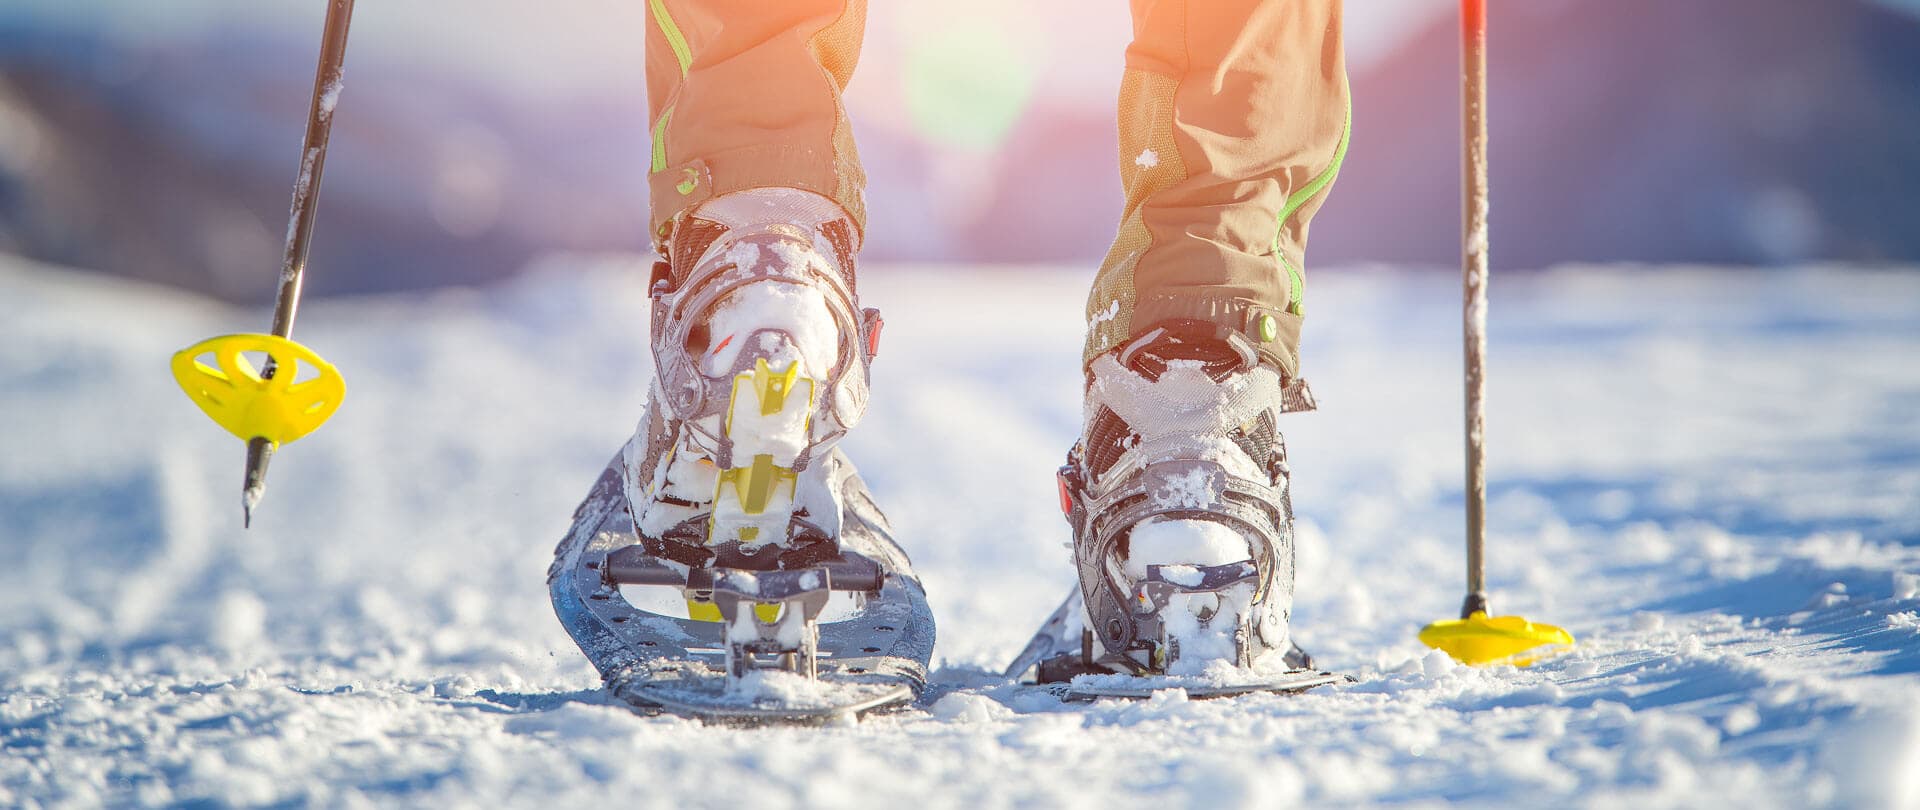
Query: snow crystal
point(1613, 504)
point(32, 648)
point(1906, 585)
point(1740, 720)
point(1183, 543)
point(1834, 595)
point(800, 312)
point(302, 182)
point(331, 98)
point(796, 256)
point(1111, 312)
point(1147, 159)
point(787, 687)
point(743, 255)
point(1583, 669)
point(15, 708)
point(1191, 490)
point(1438, 664)
point(1477, 245)
point(1873, 757)
point(239, 620)
point(966, 707)
point(1045, 732)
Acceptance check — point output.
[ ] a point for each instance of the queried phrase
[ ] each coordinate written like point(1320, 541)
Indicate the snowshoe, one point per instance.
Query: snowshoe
point(730, 564)
point(1061, 657)
point(1183, 526)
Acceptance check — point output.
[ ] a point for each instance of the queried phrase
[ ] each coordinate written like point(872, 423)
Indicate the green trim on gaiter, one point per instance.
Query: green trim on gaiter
point(660, 140)
point(681, 54)
point(675, 40)
point(1296, 282)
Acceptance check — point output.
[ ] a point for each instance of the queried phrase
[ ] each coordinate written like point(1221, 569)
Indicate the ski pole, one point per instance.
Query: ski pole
point(1476, 637)
point(270, 406)
point(306, 194)
point(1473, 54)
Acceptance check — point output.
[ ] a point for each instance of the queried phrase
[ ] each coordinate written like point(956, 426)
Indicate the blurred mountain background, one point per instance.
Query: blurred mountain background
point(159, 140)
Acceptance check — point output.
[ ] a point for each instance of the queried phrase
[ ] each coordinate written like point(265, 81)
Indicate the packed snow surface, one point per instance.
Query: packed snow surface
point(1710, 477)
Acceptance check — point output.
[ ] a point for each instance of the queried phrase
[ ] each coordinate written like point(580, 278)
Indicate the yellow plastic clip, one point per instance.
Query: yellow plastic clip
point(710, 612)
point(754, 486)
point(1480, 640)
point(280, 408)
point(773, 387)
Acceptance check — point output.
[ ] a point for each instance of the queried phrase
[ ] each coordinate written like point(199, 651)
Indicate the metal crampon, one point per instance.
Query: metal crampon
point(769, 620)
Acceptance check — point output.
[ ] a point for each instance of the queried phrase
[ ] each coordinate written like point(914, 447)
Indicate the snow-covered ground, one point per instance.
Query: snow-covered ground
point(1711, 477)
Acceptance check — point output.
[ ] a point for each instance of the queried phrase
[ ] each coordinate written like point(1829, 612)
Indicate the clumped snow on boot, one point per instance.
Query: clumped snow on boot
point(1178, 497)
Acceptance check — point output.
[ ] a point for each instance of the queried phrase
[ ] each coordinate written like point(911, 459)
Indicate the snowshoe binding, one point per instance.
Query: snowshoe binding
point(729, 564)
point(1183, 526)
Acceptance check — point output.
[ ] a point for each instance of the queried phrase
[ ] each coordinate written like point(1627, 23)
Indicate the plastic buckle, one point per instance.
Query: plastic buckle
point(872, 323)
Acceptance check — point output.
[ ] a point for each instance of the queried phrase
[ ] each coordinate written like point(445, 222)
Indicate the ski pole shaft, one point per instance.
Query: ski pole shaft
point(1473, 53)
point(313, 161)
point(306, 195)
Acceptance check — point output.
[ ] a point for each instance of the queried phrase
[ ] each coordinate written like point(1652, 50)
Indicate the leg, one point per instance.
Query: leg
point(1233, 122)
point(761, 349)
point(746, 95)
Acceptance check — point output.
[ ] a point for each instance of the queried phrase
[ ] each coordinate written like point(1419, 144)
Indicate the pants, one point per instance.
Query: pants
point(1234, 120)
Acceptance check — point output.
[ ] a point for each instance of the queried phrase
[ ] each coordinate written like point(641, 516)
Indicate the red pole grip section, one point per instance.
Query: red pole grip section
point(1473, 17)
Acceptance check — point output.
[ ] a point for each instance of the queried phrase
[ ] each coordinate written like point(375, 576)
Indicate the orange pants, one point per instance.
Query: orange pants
point(1234, 119)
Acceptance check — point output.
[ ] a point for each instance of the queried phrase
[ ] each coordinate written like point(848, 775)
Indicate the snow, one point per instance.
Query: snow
point(1111, 312)
point(1184, 414)
point(1196, 676)
point(1178, 545)
point(1683, 462)
point(800, 312)
point(1186, 575)
point(330, 98)
point(781, 686)
point(1192, 490)
point(309, 162)
point(799, 328)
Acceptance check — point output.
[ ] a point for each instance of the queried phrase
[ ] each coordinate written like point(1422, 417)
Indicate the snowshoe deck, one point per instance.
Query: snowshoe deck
point(710, 699)
point(1055, 651)
point(1093, 687)
point(872, 659)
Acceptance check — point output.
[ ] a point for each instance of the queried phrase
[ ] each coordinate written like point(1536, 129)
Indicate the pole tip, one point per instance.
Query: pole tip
point(249, 499)
point(254, 486)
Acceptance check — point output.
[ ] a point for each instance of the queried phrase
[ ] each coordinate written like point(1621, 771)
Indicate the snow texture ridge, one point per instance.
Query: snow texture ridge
point(1708, 476)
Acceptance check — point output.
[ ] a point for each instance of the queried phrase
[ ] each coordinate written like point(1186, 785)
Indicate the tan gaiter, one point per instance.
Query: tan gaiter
point(746, 94)
point(1234, 119)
